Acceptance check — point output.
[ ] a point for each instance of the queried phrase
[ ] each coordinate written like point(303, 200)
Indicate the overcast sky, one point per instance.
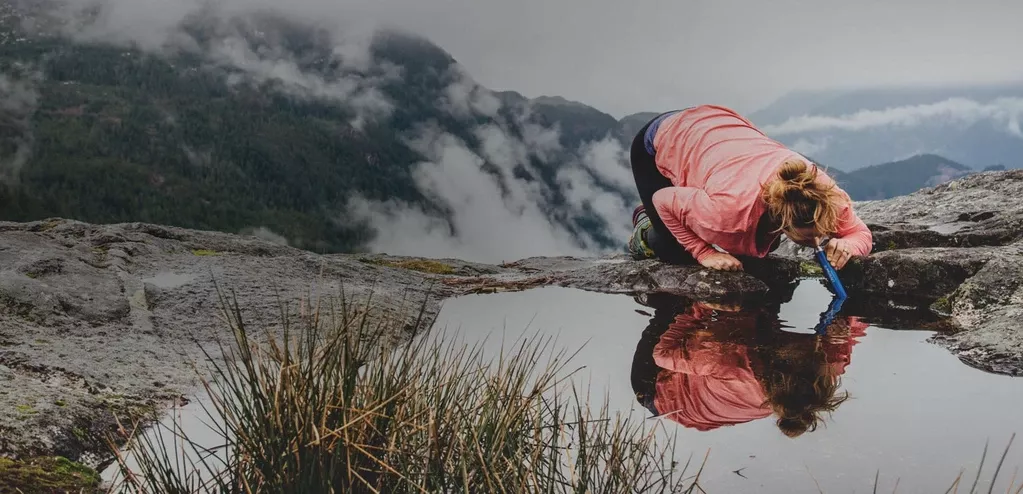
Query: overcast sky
point(627, 56)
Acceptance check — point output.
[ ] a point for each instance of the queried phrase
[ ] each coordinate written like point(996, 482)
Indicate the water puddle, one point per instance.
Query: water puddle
point(913, 410)
point(194, 422)
point(914, 414)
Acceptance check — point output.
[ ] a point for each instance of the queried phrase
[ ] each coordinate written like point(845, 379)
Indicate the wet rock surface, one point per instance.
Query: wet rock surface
point(98, 320)
point(988, 308)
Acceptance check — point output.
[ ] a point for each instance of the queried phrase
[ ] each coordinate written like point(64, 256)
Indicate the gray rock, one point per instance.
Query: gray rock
point(988, 308)
point(961, 245)
point(983, 204)
point(100, 319)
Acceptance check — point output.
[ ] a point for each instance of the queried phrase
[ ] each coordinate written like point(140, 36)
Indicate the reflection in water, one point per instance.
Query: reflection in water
point(915, 415)
point(733, 384)
point(706, 366)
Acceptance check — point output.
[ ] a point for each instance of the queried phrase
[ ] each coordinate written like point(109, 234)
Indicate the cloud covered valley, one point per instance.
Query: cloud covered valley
point(493, 180)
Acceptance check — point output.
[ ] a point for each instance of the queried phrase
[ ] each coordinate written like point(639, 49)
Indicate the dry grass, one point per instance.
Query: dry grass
point(321, 406)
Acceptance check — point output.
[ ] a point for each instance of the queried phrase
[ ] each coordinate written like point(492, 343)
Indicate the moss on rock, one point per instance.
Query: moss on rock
point(810, 269)
point(421, 265)
point(45, 475)
point(942, 306)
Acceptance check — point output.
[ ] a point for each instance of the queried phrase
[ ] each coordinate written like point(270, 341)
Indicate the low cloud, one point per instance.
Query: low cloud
point(355, 91)
point(19, 98)
point(267, 234)
point(243, 44)
point(492, 211)
point(810, 147)
point(464, 97)
point(487, 224)
point(609, 161)
point(1004, 112)
point(494, 214)
point(585, 196)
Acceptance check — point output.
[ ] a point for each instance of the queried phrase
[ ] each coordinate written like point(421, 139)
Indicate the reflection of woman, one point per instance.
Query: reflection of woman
point(706, 368)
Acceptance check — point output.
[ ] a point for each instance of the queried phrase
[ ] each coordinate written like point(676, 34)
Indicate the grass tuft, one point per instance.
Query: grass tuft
point(317, 403)
point(204, 252)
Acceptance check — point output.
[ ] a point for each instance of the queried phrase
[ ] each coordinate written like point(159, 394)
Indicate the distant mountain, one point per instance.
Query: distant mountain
point(577, 122)
point(261, 123)
point(629, 126)
point(898, 178)
point(977, 126)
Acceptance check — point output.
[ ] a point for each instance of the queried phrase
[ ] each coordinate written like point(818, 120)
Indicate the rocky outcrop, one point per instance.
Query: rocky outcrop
point(104, 319)
point(961, 242)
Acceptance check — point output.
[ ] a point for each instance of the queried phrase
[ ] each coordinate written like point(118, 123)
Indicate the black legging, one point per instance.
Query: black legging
point(649, 180)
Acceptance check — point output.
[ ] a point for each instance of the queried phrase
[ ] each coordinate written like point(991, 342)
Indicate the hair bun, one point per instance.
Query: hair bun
point(798, 199)
point(797, 173)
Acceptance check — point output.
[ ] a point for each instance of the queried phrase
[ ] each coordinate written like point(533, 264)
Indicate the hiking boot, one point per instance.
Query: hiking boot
point(637, 245)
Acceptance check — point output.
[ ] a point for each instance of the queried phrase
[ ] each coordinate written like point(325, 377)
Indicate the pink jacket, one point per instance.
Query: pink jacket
point(717, 161)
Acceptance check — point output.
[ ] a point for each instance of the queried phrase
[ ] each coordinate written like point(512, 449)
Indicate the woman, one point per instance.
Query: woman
point(707, 177)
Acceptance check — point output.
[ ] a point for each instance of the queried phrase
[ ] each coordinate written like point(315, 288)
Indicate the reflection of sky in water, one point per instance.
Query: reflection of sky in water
point(914, 411)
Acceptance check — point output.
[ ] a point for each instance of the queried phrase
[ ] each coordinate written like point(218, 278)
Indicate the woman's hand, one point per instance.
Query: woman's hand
point(839, 251)
point(721, 261)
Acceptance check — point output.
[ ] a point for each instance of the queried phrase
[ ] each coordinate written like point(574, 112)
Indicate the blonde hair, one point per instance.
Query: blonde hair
point(800, 384)
point(798, 200)
point(800, 401)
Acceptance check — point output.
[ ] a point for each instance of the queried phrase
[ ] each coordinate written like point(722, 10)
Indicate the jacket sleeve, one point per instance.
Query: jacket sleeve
point(852, 228)
point(673, 205)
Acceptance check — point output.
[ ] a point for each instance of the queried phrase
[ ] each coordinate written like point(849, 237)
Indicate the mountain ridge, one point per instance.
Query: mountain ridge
point(974, 124)
point(897, 178)
point(265, 124)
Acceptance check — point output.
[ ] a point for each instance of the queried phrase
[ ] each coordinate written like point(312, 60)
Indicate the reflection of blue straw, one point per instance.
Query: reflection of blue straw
point(828, 316)
point(830, 274)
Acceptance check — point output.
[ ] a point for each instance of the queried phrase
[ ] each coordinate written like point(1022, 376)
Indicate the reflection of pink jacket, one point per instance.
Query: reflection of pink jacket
point(842, 335)
point(708, 383)
point(717, 161)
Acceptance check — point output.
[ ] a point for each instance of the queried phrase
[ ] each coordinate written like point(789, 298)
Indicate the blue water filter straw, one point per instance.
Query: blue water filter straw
point(829, 273)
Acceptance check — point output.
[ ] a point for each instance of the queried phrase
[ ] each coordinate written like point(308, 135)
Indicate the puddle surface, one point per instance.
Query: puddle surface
point(914, 411)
